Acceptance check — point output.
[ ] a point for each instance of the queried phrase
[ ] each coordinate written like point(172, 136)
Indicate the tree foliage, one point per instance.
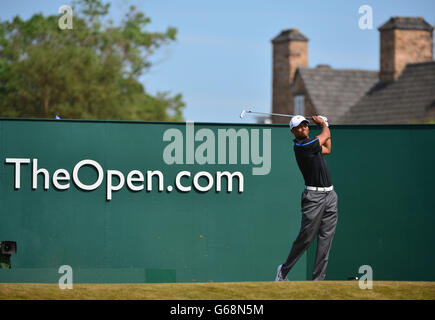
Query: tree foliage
point(90, 72)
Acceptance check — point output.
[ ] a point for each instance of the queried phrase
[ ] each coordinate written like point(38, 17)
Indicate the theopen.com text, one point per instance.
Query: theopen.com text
point(185, 181)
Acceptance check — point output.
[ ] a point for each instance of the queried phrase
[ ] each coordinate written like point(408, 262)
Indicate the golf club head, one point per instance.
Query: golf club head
point(242, 114)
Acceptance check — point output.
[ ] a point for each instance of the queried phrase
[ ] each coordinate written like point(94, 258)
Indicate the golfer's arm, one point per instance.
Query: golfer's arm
point(326, 148)
point(324, 136)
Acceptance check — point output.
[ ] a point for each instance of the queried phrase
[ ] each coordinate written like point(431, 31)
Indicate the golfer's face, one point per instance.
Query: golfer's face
point(301, 131)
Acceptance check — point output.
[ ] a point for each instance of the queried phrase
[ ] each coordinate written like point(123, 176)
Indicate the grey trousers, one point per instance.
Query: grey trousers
point(319, 218)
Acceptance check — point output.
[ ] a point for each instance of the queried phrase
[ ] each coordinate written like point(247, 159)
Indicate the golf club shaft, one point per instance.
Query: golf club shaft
point(273, 114)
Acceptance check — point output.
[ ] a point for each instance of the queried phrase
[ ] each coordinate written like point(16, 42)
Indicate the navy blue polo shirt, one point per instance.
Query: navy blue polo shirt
point(311, 162)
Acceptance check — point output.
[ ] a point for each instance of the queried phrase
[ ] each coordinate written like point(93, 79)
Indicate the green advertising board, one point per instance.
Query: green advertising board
point(131, 202)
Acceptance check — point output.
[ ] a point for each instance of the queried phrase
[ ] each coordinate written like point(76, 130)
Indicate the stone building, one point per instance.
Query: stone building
point(403, 91)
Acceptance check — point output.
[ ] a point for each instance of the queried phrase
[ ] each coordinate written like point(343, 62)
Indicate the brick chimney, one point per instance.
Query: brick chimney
point(290, 51)
point(404, 40)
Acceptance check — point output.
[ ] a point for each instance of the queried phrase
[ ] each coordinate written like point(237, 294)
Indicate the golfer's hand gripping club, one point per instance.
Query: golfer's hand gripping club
point(320, 119)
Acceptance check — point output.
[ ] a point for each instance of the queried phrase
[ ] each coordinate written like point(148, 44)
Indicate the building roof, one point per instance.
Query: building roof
point(410, 97)
point(288, 35)
point(333, 91)
point(406, 23)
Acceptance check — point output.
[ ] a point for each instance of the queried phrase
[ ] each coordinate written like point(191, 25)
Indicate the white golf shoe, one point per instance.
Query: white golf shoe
point(279, 275)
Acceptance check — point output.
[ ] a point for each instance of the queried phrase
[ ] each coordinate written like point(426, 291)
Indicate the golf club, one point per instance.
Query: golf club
point(244, 112)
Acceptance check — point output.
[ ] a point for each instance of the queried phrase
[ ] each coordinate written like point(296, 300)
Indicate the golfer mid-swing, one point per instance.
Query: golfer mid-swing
point(318, 201)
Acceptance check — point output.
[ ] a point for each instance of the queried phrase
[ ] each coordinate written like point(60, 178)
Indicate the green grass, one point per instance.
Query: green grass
point(302, 290)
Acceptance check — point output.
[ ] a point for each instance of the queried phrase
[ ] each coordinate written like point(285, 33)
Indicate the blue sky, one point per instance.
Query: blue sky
point(222, 59)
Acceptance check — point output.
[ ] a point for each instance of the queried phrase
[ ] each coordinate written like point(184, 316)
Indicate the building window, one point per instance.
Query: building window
point(299, 105)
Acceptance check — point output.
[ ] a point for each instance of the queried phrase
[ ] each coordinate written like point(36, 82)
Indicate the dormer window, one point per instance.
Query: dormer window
point(299, 101)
